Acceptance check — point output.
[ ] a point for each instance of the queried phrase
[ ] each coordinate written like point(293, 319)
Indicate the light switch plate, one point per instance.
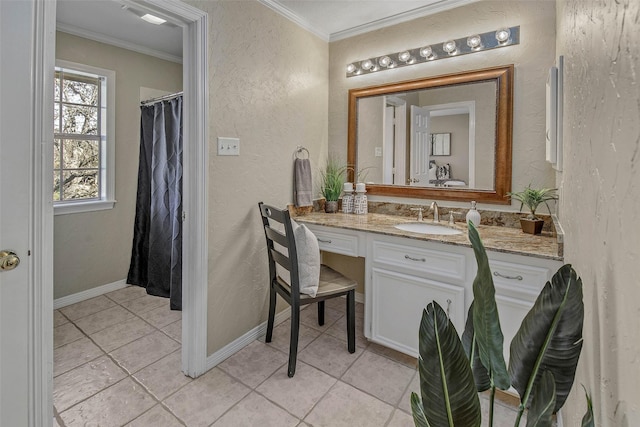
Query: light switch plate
point(228, 146)
point(378, 152)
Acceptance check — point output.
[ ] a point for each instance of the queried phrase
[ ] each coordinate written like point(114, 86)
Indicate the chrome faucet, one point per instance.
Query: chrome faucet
point(419, 213)
point(434, 208)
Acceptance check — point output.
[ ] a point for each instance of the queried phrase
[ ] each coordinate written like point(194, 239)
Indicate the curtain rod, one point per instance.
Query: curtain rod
point(161, 98)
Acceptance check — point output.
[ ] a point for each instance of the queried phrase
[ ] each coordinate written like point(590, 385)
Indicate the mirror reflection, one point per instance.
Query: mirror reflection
point(401, 137)
point(442, 137)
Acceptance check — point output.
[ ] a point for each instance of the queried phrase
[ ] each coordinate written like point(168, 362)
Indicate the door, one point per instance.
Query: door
point(419, 166)
point(26, 290)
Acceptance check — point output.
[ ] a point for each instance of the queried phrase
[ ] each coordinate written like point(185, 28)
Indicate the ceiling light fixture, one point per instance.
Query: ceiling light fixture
point(152, 19)
point(475, 43)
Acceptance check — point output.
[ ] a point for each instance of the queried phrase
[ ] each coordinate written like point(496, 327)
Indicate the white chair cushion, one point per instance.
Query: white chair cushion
point(308, 258)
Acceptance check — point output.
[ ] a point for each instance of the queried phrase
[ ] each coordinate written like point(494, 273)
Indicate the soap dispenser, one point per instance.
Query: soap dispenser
point(473, 215)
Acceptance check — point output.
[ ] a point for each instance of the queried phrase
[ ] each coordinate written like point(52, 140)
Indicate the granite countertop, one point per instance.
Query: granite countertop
point(498, 239)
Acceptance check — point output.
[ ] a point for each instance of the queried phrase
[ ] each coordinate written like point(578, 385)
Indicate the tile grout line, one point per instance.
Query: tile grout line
point(116, 363)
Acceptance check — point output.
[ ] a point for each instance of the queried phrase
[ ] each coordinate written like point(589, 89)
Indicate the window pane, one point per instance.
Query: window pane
point(80, 184)
point(56, 185)
point(56, 153)
point(80, 120)
point(56, 118)
point(80, 92)
point(80, 154)
point(56, 88)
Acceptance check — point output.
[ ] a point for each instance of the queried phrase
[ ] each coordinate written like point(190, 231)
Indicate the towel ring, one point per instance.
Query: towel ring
point(300, 149)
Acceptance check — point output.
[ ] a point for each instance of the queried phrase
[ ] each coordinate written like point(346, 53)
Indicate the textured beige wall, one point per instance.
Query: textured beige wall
point(371, 130)
point(532, 58)
point(268, 87)
point(600, 199)
point(94, 248)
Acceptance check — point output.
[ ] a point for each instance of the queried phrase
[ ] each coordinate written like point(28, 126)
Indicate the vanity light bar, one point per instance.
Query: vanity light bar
point(474, 43)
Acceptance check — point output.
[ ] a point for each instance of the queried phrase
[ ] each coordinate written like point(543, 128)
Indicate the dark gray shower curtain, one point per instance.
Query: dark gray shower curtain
point(156, 256)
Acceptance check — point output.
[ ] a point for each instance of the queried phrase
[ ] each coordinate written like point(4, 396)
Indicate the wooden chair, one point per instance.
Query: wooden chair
point(281, 247)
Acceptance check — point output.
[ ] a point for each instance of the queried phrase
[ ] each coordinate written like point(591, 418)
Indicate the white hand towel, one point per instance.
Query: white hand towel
point(302, 188)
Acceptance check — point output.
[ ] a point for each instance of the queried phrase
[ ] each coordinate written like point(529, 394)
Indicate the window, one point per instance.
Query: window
point(83, 138)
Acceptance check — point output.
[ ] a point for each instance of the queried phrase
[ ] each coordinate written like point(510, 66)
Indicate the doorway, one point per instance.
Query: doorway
point(195, 249)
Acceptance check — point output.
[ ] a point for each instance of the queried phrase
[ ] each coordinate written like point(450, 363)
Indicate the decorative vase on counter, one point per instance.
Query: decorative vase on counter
point(347, 199)
point(331, 206)
point(360, 206)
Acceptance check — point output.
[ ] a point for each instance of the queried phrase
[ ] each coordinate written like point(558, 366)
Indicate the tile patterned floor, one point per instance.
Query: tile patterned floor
point(117, 357)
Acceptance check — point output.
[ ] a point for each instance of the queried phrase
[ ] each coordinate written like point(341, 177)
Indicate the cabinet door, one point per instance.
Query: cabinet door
point(397, 304)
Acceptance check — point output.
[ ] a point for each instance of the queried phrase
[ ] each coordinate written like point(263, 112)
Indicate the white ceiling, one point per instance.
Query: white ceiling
point(107, 21)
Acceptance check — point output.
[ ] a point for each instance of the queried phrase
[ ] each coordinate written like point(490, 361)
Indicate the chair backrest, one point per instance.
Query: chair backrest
point(281, 244)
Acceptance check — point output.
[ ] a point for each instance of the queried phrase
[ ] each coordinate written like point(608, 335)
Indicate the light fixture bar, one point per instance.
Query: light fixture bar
point(474, 43)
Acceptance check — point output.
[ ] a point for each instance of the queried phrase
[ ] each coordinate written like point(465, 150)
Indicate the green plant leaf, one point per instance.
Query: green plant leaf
point(419, 418)
point(486, 322)
point(550, 337)
point(480, 373)
point(544, 400)
point(449, 396)
point(587, 420)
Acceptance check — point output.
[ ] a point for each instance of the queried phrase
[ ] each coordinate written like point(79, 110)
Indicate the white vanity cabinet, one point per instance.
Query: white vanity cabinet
point(403, 277)
point(518, 281)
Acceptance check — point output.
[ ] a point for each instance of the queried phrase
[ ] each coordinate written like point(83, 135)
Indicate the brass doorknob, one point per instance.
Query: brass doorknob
point(8, 260)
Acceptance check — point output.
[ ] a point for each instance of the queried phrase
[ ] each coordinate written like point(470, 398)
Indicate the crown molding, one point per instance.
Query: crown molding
point(279, 8)
point(431, 9)
point(102, 38)
point(419, 12)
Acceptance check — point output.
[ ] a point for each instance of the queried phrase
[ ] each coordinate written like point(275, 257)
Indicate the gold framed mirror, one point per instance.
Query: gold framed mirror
point(400, 164)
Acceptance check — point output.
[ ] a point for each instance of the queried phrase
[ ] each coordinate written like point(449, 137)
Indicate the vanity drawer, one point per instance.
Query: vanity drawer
point(447, 265)
point(339, 243)
point(519, 280)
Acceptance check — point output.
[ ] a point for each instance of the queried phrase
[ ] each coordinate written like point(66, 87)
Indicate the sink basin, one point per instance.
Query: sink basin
point(426, 228)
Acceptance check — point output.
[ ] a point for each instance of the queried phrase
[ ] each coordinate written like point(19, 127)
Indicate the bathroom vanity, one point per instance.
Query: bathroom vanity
point(405, 271)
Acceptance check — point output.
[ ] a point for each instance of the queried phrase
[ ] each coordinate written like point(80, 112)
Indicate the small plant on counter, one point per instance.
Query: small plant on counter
point(542, 363)
point(532, 197)
point(332, 179)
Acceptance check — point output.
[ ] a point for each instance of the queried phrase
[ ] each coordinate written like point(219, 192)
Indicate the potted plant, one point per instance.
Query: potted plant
point(543, 358)
point(532, 197)
point(331, 183)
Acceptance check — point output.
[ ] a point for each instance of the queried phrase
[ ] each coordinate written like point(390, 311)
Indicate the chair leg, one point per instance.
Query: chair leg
point(320, 313)
point(272, 314)
point(293, 344)
point(351, 321)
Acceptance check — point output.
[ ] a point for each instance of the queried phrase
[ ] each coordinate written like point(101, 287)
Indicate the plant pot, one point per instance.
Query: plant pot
point(331, 206)
point(531, 226)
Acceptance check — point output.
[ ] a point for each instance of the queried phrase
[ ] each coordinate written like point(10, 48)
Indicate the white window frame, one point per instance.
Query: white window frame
point(107, 166)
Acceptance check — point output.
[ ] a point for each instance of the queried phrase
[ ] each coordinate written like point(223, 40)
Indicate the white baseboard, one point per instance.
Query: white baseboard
point(257, 332)
point(89, 293)
point(240, 343)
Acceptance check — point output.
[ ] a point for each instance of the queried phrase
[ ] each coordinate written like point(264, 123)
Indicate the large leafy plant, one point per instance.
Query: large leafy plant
point(543, 354)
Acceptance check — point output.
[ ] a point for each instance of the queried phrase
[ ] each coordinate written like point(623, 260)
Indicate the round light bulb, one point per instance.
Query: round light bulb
point(449, 47)
point(474, 42)
point(503, 35)
point(367, 64)
point(351, 68)
point(384, 61)
point(426, 52)
point(404, 56)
